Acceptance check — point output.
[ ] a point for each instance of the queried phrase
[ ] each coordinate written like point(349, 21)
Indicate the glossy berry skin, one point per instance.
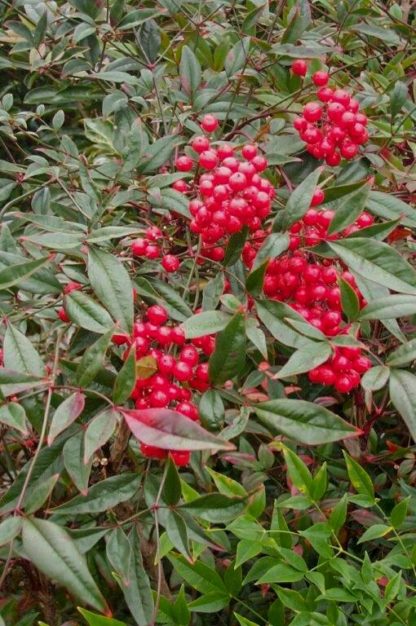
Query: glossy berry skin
point(182, 371)
point(138, 246)
point(72, 286)
point(152, 452)
point(208, 159)
point(299, 67)
point(181, 458)
point(152, 251)
point(200, 144)
point(63, 315)
point(209, 123)
point(318, 197)
point(170, 263)
point(157, 315)
point(320, 78)
point(184, 164)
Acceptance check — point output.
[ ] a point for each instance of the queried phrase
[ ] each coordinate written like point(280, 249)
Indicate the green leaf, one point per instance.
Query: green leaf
point(237, 57)
point(170, 430)
point(235, 247)
point(162, 293)
point(375, 532)
point(93, 360)
point(189, 71)
point(212, 292)
point(273, 246)
point(388, 206)
point(124, 554)
point(13, 274)
point(14, 416)
point(349, 300)
point(389, 307)
point(172, 489)
point(254, 281)
point(399, 512)
point(403, 396)
point(9, 529)
point(158, 153)
point(177, 532)
point(274, 316)
point(305, 359)
point(398, 97)
point(349, 208)
point(215, 508)
point(86, 313)
point(112, 284)
point(205, 323)
point(73, 457)
point(359, 478)
point(19, 353)
point(403, 354)
point(227, 485)
point(102, 496)
point(99, 431)
point(334, 193)
point(211, 409)
point(305, 422)
point(338, 514)
point(281, 573)
point(99, 620)
point(377, 261)
point(229, 357)
point(198, 575)
point(256, 336)
point(125, 380)
point(52, 551)
point(298, 472)
point(67, 412)
point(298, 203)
point(243, 621)
point(35, 498)
point(375, 378)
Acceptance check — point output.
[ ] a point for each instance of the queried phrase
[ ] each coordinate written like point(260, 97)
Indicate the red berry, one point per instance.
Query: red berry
point(157, 315)
point(152, 452)
point(72, 286)
point(165, 364)
point(181, 186)
point(63, 315)
point(182, 371)
point(189, 355)
point(343, 384)
point(120, 338)
point(208, 159)
point(189, 410)
point(170, 263)
point(180, 457)
point(138, 246)
point(164, 335)
point(200, 144)
point(320, 78)
point(299, 67)
point(318, 197)
point(260, 162)
point(325, 94)
point(152, 251)
point(312, 112)
point(249, 151)
point(361, 365)
point(209, 123)
point(177, 336)
point(184, 163)
point(141, 346)
point(159, 398)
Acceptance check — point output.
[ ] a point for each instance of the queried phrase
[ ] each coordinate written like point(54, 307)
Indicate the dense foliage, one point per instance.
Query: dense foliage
point(208, 302)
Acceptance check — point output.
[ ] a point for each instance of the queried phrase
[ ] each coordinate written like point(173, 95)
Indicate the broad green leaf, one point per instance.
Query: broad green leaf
point(274, 316)
point(402, 355)
point(298, 203)
point(349, 208)
point(99, 431)
point(227, 485)
point(86, 313)
point(305, 359)
point(177, 532)
point(157, 153)
point(19, 353)
point(198, 575)
point(237, 56)
point(93, 360)
point(235, 247)
point(375, 532)
point(125, 380)
point(212, 292)
point(349, 300)
point(10, 527)
point(50, 549)
point(403, 396)
point(378, 262)
point(256, 336)
point(389, 307)
point(13, 274)
point(304, 422)
point(211, 409)
point(359, 478)
point(298, 472)
point(172, 489)
point(66, 413)
point(375, 378)
point(36, 498)
point(102, 496)
point(73, 458)
point(112, 284)
point(215, 507)
point(398, 97)
point(205, 323)
point(281, 573)
point(229, 357)
point(273, 246)
point(388, 206)
point(124, 554)
point(13, 415)
point(189, 71)
point(170, 430)
point(255, 280)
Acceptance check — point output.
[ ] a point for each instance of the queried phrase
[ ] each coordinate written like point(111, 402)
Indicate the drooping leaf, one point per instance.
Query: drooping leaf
point(86, 313)
point(102, 496)
point(98, 432)
point(20, 354)
point(65, 414)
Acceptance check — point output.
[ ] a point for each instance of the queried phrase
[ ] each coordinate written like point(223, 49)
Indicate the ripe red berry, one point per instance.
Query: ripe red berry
point(208, 159)
point(152, 452)
point(320, 78)
point(159, 398)
point(318, 197)
point(184, 163)
point(120, 338)
point(164, 335)
point(152, 251)
point(312, 112)
point(63, 315)
point(180, 457)
point(170, 263)
point(299, 67)
point(189, 355)
point(200, 144)
point(157, 315)
point(72, 286)
point(178, 336)
point(138, 246)
point(189, 410)
point(182, 371)
point(249, 151)
point(209, 123)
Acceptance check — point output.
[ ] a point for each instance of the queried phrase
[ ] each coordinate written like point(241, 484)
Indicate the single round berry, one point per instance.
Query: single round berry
point(181, 458)
point(157, 315)
point(152, 452)
point(170, 263)
point(177, 336)
point(200, 144)
point(320, 78)
point(249, 151)
point(208, 159)
point(189, 355)
point(299, 67)
point(209, 123)
point(152, 251)
point(189, 410)
point(138, 246)
point(72, 286)
point(182, 371)
point(184, 163)
point(63, 315)
point(312, 112)
point(318, 197)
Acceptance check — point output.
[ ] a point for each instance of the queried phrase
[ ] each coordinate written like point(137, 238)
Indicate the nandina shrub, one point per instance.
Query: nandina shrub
point(208, 297)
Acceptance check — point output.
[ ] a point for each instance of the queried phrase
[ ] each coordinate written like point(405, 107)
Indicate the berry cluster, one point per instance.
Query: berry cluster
point(343, 370)
point(312, 229)
point(332, 126)
point(231, 193)
point(149, 248)
point(311, 288)
point(172, 370)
